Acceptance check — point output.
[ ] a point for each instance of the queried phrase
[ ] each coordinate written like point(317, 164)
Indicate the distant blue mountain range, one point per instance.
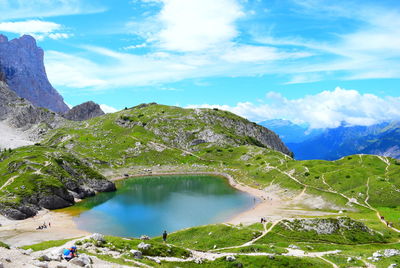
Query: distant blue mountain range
point(334, 143)
point(290, 132)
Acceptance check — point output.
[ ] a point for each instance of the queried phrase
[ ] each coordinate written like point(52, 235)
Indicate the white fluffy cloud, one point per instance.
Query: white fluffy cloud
point(108, 109)
point(193, 25)
point(37, 28)
point(324, 110)
point(189, 25)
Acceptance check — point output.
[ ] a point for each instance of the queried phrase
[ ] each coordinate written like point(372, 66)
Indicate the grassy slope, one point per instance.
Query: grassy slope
point(214, 236)
point(47, 244)
point(108, 145)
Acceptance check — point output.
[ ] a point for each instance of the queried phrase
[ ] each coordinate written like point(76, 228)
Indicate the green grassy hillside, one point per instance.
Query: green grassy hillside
point(136, 135)
point(163, 139)
point(166, 138)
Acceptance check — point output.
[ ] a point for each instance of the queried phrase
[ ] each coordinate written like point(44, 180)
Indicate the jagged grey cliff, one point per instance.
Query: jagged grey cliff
point(20, 113)
point(22, 123)
point(84, 111)
point(21, 62)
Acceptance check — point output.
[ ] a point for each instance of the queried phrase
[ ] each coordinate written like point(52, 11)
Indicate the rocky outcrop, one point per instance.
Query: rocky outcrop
point(21, 62)
point(84, 111)
point(19, 114)
point(19, 212)
point(325, 226)
point(53, 180)
point(256, 134)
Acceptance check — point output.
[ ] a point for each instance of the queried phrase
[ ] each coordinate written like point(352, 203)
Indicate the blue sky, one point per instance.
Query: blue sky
point(315, 61)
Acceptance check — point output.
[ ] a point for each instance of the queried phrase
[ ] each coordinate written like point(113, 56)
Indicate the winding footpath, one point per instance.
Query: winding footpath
point(8, 182)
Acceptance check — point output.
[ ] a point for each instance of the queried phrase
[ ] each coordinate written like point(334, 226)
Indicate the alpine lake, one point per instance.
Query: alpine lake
point(149, 205)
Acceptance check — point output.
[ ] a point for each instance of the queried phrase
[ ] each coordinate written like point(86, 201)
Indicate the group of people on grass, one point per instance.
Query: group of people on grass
point(44, 226)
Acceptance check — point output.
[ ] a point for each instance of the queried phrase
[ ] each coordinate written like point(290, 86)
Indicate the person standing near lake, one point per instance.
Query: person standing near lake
point(164, 236)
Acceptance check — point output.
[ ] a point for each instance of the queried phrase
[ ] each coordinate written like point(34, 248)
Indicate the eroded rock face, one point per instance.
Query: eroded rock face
point(21, 62)
point(55, 201)
point(84, 111)
point(19, 114)
point(325, 226)
point(257, 135)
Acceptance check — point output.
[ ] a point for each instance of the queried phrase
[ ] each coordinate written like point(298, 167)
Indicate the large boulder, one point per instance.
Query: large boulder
point(20, 213)
point(137, 254)
point(144, 237)
point(82, 260)
point(230, 258)
point(100, 185)
point(55, 201)
point(98, 237)
point(391, 252)
point(144, 246)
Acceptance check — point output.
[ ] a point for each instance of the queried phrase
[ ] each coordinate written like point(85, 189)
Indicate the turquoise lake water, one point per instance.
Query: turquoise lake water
point(150, 205)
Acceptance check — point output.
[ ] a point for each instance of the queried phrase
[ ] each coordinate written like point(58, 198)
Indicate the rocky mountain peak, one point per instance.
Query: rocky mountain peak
point(21, 61)
point(26, 41)
point(3, 38)
point(84, 111)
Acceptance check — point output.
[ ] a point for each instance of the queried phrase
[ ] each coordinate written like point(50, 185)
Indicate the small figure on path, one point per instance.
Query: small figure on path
point(49, 224)
point(164, 236)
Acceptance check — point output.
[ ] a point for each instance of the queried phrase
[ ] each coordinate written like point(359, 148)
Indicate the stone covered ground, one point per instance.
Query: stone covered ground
point(97, 250)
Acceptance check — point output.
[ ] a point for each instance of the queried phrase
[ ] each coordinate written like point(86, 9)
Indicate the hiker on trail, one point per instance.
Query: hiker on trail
point(164, 236)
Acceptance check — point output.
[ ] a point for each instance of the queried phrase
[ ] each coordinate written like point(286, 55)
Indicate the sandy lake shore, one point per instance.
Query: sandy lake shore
point(23, 232)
